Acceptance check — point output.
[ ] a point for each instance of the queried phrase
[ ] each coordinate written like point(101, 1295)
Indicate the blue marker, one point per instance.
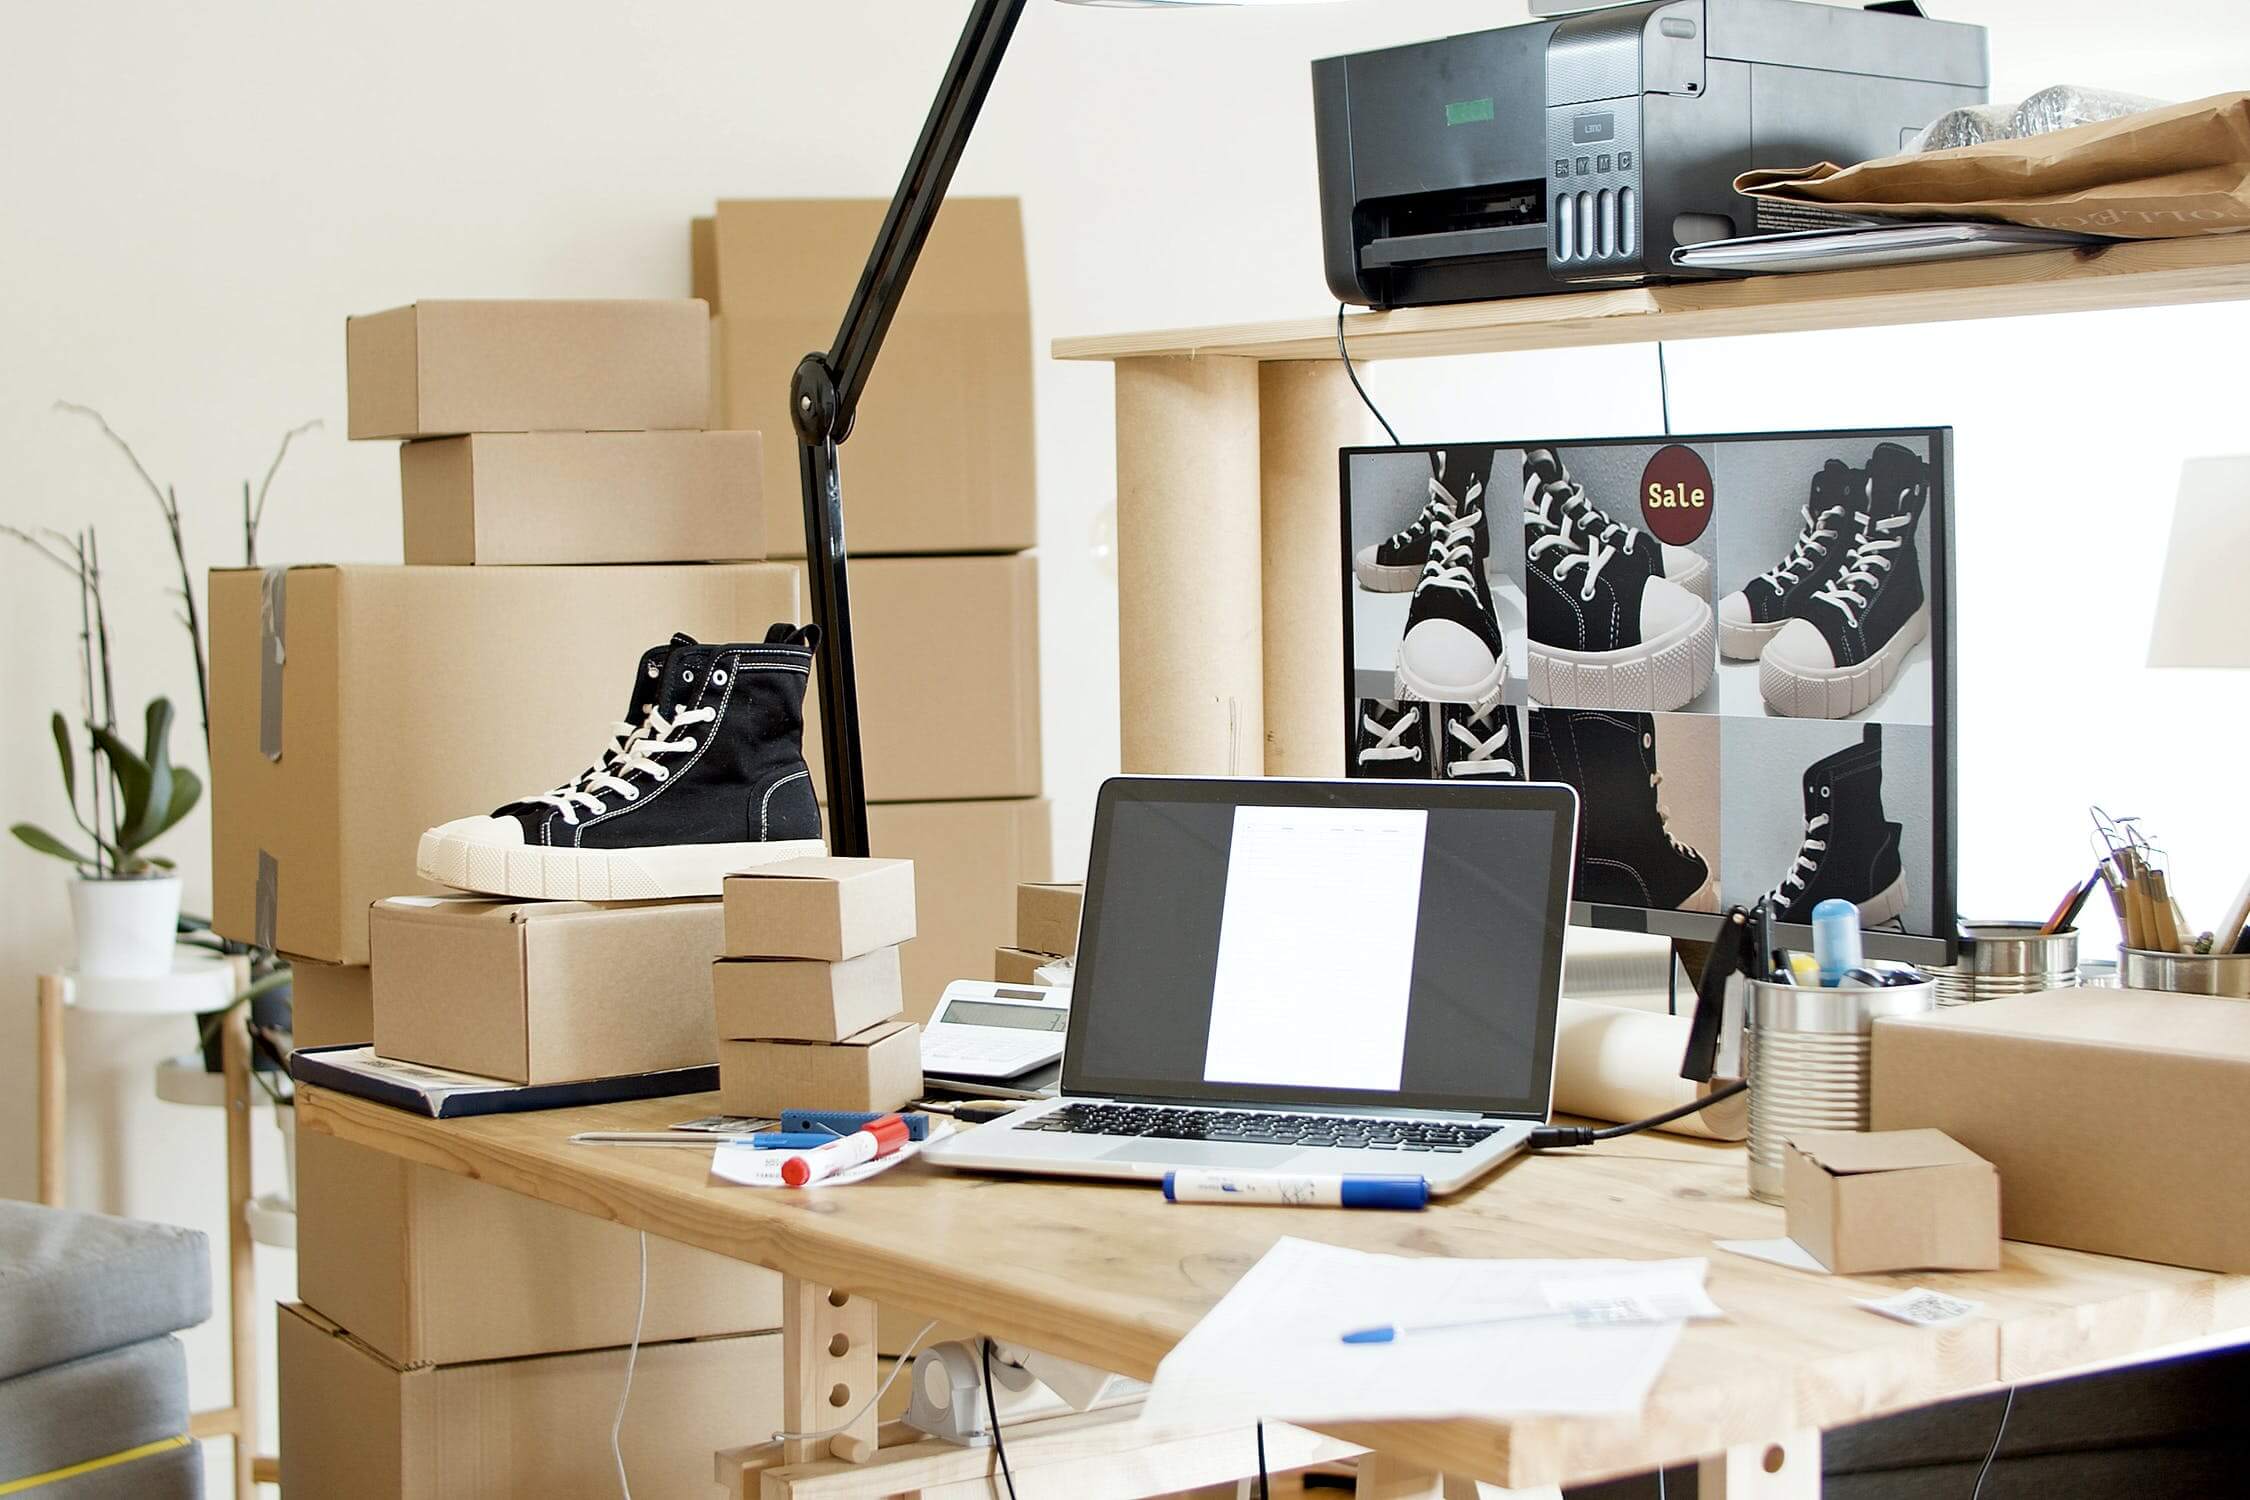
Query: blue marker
point(784, 1140)
point(1835, 940)
point(1297, 1190)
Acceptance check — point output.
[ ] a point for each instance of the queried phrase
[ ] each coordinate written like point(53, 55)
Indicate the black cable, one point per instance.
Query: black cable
point(1262, 1495)
point(1663, 388)
point(1998, 1433)
point(1344, 352)
point(1552, 1137)
point(992, 1412)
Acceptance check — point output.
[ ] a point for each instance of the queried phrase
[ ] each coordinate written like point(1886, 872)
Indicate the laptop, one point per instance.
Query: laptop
point(1306, 976)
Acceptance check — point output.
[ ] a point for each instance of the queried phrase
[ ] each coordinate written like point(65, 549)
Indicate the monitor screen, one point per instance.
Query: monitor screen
point(1320, 943)
point(1738, 648)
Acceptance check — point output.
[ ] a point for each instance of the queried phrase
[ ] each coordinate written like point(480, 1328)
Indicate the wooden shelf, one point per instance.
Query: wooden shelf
point(2144, 273)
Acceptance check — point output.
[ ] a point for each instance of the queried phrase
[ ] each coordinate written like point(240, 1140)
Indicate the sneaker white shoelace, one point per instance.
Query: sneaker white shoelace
point(1664, 815)
point(1453, 553)
point(1801, 871)
point(1557, 534)
point(634, 750)
point(1484, 757)
point(1783, 575)
point(1436, 514)
point(1868, 554)
point(1387, 746)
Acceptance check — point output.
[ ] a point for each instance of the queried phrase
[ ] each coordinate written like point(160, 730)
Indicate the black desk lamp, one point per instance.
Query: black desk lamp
point(824, 395)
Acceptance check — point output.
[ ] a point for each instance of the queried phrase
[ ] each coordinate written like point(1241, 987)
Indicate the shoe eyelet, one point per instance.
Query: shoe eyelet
point(653, 671)
point(686, 676)
point(1824, 792)
point(719, 676)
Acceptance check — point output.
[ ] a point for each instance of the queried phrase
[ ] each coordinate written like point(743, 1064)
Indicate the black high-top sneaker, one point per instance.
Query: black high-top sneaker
point(1605, 633)
point(707, 777)
point(1394, 565)
point(1391, 741)
point(1452, 651)
point(1847, 640)
point(1750, 616)
point(1626, 853)
point(1683, 565)
point(1849, 850)
point(1482, 745)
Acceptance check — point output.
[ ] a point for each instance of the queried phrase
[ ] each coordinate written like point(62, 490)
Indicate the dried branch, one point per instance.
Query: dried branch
point(258, 513)
point(41, 547)
point(194, 623)
point(170, 508)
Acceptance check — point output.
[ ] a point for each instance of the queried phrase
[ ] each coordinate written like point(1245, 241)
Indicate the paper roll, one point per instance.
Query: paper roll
point(1612, 1063)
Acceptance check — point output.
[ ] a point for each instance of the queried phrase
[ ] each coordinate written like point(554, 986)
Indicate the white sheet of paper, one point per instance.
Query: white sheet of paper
point(1316, 947)
point(1781, 1252)
point(1272, 1346)
point(746, 1166)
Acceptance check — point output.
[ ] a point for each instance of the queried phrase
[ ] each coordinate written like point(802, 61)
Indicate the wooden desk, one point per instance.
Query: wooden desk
point(1113, 1276)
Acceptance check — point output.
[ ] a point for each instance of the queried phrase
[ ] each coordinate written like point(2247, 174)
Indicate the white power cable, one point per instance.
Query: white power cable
point(880, 1392)
point(632, 1357)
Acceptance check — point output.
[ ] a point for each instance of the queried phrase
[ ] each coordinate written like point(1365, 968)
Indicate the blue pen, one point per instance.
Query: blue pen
point(784, 1140)
point(1586, 1315)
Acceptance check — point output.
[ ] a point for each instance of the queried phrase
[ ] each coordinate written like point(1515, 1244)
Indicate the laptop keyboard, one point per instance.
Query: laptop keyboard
point(1179, 1123)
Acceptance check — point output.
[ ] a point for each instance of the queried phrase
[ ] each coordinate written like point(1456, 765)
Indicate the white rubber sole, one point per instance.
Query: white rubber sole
point(1746, 642)
point(1654, 677)
point(1694, 573)
point(1377, 578)
point(1839, 692)
point(1477, 693)
point(660, 872)
point(1884, 905)
point(1705, 899)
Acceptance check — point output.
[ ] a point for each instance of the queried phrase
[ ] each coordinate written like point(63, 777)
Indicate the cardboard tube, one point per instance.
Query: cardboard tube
point(1190, 633)
point(1307, 410)
point(1616, 1064)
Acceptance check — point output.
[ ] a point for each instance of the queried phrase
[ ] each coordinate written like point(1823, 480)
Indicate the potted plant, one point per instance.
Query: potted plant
point(125, 902)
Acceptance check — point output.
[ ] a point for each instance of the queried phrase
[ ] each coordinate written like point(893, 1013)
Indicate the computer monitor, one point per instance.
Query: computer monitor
point(1738, 648)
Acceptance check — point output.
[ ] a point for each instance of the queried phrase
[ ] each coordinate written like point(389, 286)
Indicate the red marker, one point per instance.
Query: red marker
point(878, 1137)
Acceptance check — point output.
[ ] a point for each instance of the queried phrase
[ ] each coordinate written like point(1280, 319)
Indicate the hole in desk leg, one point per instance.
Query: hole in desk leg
point(1775, 1458)
point(838, 1299)
point(840, 1395)
point(839, 1346)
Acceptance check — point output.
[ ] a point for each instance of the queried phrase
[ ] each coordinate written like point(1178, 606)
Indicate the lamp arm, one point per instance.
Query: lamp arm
point(824, 395)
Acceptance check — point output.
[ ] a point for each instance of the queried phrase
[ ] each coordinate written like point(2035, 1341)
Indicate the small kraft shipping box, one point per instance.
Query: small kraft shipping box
point(439, 369)
point(583, 497)
point(948, 656)
point(805, 999)
point(941, 460)
point(968, 859)
point(352, 708)
point(2116, 1117)
point(1904, 1200)
point(427, 1267)
point(544, 991)
point(1015, 966)
point(356, 1425)
point(820, 908)
point(330, 1005)
point(881, 1068)
point(1047, 918)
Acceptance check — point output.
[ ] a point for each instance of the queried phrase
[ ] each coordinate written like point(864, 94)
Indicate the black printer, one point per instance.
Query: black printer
point(1581, 150)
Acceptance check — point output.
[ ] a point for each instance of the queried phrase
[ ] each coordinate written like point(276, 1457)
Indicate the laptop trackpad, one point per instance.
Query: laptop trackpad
point(1202, 1153)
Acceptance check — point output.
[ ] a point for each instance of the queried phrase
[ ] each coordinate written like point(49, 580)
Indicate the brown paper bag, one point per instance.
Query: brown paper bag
point(2164, 174)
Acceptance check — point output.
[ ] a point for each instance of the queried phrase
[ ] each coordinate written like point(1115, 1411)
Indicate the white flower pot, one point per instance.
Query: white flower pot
point(126, 928)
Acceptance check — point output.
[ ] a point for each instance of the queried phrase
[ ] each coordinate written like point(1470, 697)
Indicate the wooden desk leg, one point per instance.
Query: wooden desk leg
point(827, 1368)
point(242, 1277)
point(1189, 622)
point(53, 988)
point(1786, 1469)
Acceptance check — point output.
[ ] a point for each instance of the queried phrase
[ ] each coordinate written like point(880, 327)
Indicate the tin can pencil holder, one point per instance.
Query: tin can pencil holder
point(2224, 974)
point(2008, 958)
point(1808, 1063)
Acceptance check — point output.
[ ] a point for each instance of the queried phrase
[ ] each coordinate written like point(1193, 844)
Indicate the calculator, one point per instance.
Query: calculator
point(987, 1030)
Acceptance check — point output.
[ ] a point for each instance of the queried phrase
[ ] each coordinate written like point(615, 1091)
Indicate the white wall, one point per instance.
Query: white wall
point(197, 196)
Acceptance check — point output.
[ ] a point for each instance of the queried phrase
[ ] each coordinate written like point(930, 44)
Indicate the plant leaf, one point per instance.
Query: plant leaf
point(132, 779)
point(155, 814)
point(158, 723)
point(47, 843)
point(161, 862)
point(187, 790)
point(69, 759)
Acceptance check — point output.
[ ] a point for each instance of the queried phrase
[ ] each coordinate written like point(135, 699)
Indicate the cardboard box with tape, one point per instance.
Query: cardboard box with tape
point(879, 1069)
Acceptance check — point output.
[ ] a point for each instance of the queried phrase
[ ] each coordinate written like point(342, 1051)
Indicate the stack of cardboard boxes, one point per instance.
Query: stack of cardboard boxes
point(807, 996)
point(457, 1339)
point(1046, 930)
point(939, 512)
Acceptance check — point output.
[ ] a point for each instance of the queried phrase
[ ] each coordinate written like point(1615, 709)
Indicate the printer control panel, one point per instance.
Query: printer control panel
point(1594, 191)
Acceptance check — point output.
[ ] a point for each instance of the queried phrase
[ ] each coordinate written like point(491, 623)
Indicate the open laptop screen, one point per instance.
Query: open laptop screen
point(1310, 942)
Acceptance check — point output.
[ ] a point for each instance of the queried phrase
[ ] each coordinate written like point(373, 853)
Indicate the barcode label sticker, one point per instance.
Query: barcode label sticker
point(1922, 1307)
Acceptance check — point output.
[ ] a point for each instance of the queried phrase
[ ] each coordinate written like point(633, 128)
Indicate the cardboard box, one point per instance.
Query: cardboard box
point(948, 656)
point(805, 999)
point(2116, 1117)
point(819, 907)
point(881, 1068)
point(968, 859)
point(357, 1426)
point(583, 497)
point(941, 456)
point(331, 1005)
point(427, 1267)
point(544, 991)
point(438, 369)
point(1047, 917)
point(406, 697)
point(1902, 1200)
point(1014, 966)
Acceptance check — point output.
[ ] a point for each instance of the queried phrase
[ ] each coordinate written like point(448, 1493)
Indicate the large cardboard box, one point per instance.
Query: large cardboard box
point(358, 1426)
point(804, 999)
point(583, 497)
point(437, 369)
point(948, 656)
point(968, 859)
point(880, 1068)
point(2116, 1117)
point(940, 458)
point(331, 1005)
point(544, 991)
point(395, 699)
point(1901, 1200)
point(819, 907)
point(427, 1267)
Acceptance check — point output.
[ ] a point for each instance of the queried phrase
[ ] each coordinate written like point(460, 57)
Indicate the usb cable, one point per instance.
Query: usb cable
point(1555, 1137)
